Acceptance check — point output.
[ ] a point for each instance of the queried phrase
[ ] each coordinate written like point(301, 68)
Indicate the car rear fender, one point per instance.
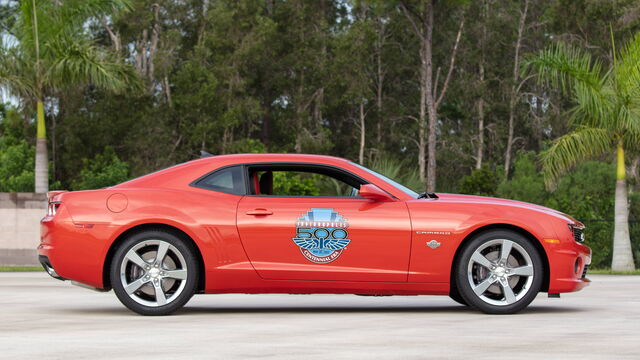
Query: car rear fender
point(140, 226)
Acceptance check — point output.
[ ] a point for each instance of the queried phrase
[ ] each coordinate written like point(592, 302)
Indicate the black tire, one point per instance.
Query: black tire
point(455, 296)
point(180, 254)
point(494, 299)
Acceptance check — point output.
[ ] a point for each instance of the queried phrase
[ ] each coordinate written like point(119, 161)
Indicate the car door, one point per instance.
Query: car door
point(331, 238)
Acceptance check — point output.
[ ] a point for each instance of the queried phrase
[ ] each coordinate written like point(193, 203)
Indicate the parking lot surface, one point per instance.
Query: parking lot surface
point(43, 318)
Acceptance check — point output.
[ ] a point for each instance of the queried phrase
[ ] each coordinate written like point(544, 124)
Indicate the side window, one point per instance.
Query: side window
point(299, 182)
point(228, 180)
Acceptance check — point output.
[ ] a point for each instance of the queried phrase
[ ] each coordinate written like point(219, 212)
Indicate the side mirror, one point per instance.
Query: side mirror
point(372, 192)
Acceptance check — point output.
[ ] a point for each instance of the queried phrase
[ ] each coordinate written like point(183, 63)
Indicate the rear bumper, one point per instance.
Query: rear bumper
point(68, 252)
point(46, 264)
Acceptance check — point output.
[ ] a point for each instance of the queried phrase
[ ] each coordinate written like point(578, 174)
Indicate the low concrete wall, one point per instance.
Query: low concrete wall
point(20, 215)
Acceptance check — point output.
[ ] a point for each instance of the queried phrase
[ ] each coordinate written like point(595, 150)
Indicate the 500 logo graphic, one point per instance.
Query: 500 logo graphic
point(321, 235)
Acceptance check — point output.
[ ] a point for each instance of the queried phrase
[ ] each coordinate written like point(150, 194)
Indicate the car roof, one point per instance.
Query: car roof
point(174, 174)
point(262, 157)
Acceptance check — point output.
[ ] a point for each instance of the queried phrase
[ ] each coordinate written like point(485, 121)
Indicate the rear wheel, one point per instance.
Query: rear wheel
point(499, 272)
point(154, 273)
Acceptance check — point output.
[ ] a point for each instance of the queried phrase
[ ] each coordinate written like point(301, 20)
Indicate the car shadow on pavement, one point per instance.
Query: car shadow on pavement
point(192, 310)
point(365, 309)
point(324, 309)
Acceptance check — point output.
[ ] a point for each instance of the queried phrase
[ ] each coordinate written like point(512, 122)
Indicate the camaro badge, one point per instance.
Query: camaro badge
point(433, 244)
point(321, 235)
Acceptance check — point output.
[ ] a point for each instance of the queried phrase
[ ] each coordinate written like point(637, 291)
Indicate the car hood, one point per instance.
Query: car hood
point(472, 199)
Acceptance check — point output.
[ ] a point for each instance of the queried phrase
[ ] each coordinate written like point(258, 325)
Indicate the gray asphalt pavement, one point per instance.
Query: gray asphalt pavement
point(42, 318)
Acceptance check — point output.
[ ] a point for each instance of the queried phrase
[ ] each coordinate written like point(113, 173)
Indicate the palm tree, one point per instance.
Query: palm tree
point(47, 49)
point(606, 116)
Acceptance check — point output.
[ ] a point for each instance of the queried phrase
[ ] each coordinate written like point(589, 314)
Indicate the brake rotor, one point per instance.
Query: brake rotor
point(166, 283)
point(483, 272)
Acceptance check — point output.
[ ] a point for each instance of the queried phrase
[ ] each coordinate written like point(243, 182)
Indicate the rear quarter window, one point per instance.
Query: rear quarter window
point(228, 180)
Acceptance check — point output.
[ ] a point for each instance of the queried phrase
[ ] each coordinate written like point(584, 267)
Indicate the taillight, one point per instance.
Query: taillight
point(53, 208)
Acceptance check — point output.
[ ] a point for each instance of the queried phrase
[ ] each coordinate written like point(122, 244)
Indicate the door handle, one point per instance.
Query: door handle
point(259, 212)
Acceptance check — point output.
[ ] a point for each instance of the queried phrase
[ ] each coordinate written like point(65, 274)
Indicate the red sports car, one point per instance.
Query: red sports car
point(288, 223)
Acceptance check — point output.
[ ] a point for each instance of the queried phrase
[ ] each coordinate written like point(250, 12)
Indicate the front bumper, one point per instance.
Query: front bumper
point(568, 264)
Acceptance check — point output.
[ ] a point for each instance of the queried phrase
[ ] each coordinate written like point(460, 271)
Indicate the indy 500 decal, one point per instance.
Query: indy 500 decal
point(321, 235)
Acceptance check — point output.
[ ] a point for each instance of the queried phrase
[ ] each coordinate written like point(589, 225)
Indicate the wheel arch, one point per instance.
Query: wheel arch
point(502, 226)
point(152, 226)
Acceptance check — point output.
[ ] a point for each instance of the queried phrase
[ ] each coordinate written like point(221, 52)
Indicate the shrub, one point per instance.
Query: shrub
point(480, 182)
point(16, 165)
point(527, 183)
point(104, 170)
point(398, 171)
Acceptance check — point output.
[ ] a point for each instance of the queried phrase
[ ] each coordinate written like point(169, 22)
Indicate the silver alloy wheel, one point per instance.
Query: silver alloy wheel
point(153, 273)
point(500, 272)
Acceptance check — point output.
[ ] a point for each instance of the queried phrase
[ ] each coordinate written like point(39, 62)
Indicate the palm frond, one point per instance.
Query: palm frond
point(627, 68)
point(631, 141)
point(572, 148)
point(594, 107)
point(16, 76)
point(80, 10)
point(627, 86)
point(574, 70)
point(563, 66)
point(79, 62)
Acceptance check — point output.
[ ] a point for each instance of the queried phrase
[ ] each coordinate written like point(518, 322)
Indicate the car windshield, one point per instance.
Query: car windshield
point(396, 184)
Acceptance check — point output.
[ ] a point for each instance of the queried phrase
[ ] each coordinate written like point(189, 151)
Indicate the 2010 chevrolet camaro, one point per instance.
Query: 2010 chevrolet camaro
point(288, 223)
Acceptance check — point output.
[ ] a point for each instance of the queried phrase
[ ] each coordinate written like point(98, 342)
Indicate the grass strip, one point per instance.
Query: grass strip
point(20, 268)
point(611, 272)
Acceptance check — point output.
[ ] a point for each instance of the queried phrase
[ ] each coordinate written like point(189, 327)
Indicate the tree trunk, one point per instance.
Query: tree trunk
point(622, 253)
point(203, 22)
point(167, 89)
point(428, 101)
point(480, 150)
point(429, 98)
point(507, 154)
point(380, 74)
point(42, 163)
point(513, 96)
point(362, 134)
point(114, 36)
point(483, 39)
point(155, 36)
point(266, 123)
point(422, 122)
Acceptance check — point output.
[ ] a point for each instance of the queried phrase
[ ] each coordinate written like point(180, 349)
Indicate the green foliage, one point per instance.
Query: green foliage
point(398, 171)
point(104, 170)
point(607, 102)
point(59, 53)
point(480, 182)
point(247, 146)
point(16, 165)
point(527, 183)
point(586, 194)
point(295, 184)
point(16, 155)
point(292, 76)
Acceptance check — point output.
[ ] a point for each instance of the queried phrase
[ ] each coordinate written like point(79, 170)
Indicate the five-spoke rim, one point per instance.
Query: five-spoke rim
point(500, 272)
point(153, 273)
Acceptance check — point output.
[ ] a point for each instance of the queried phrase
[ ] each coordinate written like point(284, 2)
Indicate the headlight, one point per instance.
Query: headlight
point(578, 232)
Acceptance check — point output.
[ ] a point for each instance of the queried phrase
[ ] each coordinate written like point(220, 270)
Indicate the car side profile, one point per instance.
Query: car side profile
point(294, 223)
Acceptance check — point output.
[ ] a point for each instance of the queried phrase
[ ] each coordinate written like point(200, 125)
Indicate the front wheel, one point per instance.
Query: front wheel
point(154, 273)
point(499, 272)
